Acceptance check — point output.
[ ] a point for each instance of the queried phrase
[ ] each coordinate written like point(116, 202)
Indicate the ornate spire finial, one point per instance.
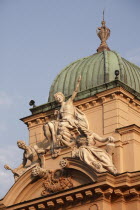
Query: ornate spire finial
point(103, 14)
point(103, 33)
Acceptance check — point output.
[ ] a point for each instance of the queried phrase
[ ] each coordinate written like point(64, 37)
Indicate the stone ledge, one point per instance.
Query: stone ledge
point(108, 188)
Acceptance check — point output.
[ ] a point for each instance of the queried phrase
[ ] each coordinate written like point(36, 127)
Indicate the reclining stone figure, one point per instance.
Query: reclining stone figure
point(97, 158)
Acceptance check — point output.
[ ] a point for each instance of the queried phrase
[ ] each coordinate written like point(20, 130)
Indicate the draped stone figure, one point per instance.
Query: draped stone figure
point(97, 158)
point(69, 123)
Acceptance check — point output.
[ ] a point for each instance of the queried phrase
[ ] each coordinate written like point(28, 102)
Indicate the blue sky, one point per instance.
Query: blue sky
point(38, 38)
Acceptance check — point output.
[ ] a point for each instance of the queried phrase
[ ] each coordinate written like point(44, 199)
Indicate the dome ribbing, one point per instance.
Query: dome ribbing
point(96, 70)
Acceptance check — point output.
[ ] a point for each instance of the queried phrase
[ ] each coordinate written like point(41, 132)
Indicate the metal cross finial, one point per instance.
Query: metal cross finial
point(103, 13)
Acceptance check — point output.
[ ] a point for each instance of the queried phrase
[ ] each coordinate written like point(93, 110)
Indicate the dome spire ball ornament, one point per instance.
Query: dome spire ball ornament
point(103, 33)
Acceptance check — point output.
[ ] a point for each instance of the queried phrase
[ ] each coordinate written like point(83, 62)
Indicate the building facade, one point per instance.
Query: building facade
point(84, 144)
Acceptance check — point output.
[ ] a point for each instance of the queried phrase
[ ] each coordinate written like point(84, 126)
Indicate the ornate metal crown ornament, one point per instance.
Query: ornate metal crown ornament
point(103, 33)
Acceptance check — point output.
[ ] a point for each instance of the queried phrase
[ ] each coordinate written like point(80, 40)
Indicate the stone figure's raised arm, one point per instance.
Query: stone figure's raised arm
point(100, 139)
point(76, 89)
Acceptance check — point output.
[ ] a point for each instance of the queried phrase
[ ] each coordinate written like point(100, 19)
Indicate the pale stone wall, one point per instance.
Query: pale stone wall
point(106, 112)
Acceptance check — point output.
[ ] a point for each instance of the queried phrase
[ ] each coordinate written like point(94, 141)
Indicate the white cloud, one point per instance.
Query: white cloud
point(5, 99)
point(3, 126)
point(12, 156)
point(6, 181)
point(135, 59)
point(134, 56)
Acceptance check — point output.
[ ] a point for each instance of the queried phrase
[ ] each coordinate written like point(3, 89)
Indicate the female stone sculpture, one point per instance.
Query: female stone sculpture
point(95, 157)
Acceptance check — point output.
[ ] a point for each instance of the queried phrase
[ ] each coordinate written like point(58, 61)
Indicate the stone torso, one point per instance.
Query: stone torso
point(67, 110)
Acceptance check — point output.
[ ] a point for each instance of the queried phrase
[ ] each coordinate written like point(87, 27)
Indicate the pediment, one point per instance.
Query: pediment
point(28, 187)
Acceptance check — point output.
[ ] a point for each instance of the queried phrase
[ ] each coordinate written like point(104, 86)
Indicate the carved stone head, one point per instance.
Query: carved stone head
point(21, 144)
point(59, 97)
point(82, 141)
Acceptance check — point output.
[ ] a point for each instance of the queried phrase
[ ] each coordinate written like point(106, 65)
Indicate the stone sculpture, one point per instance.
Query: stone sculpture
point(37, 171)
point(31, 156)
point(53, 180)
point(69, 123)
point(16, 174)
point(69, 129)
point(97, 158)
point(56, 181)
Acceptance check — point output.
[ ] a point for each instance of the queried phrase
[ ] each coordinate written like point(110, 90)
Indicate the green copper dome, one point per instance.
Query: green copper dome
point(96, 70)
